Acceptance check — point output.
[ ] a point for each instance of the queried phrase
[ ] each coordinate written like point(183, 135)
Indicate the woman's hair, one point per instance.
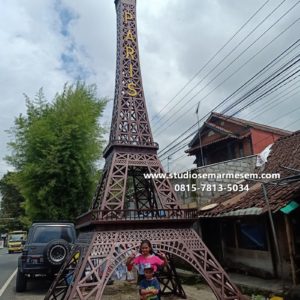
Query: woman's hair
point(148, 244)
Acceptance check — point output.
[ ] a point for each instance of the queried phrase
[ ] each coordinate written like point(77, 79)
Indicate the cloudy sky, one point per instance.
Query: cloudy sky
point(191, 51)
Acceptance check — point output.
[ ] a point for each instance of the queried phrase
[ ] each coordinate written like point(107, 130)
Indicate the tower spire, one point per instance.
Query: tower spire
point(130, 124)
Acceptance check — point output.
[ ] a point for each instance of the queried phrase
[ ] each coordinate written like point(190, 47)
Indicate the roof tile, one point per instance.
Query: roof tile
point(284, 153)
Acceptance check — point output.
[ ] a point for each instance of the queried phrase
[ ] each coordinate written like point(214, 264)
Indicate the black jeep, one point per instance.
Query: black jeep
point(47, 246)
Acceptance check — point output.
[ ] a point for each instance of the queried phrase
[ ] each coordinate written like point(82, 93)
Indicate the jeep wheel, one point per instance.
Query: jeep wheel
point(21, 282)
point(56, 252)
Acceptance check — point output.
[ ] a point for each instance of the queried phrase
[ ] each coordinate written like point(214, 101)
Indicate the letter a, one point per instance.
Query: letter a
point(129, 36)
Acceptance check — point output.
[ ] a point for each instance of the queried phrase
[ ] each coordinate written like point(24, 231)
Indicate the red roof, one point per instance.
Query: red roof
point(244, 124)
point(250, 124)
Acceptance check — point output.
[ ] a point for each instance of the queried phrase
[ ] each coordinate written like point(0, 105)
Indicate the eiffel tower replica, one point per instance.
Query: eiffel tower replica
point(128, 207)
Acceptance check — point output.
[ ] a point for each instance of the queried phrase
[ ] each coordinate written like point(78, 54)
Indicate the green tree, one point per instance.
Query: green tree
point(54, 150)
point(12, 215)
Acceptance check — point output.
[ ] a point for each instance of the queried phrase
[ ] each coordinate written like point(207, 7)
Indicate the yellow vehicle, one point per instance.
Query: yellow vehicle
point(16, 240)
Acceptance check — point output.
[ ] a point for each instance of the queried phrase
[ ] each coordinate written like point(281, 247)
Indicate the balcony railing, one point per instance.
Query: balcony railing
point(137, 215)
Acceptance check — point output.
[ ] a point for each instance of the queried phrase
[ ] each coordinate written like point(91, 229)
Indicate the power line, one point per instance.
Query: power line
point(257, 75)
point(178, 145)
point(232, 74)
point(286, 114)
point(264, 83)
point(273, 89)
point(212, 58)
point(273, 106)
point(292, 123)
point(229, 64)
point(265, 106)
point(276, 74)
point(256, 99)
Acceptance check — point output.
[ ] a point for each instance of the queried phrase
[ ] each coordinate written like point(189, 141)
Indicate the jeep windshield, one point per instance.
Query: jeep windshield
point(45, 234)
point(16, 238)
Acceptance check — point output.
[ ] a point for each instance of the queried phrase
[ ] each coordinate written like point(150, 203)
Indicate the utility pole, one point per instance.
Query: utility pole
point(273, 230)
point(200, 142)
point(168, 160)
point(275, 239)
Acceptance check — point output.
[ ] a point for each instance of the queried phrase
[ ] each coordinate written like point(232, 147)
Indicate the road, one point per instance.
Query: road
point(8, 266)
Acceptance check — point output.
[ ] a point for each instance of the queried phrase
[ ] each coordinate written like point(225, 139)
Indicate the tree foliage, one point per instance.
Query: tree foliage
point(54, 150)
point(12, 213)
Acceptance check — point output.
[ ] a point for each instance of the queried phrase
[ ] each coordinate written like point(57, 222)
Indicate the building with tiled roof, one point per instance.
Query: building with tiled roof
point(242, 221)
point(225, 138)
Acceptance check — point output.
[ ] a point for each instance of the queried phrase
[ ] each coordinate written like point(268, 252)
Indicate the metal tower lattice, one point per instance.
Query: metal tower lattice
point(127, 206)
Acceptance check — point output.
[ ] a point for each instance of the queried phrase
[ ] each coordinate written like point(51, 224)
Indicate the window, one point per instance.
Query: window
point(252, 236)
point(45, 234)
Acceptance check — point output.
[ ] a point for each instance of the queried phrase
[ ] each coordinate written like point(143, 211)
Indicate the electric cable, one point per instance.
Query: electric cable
point(232, 74)
point(295, 44)
point(212, 58)
point(228, 65)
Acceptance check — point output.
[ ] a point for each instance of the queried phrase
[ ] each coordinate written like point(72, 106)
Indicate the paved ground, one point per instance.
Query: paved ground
point(120, 290)
point(125, 291)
